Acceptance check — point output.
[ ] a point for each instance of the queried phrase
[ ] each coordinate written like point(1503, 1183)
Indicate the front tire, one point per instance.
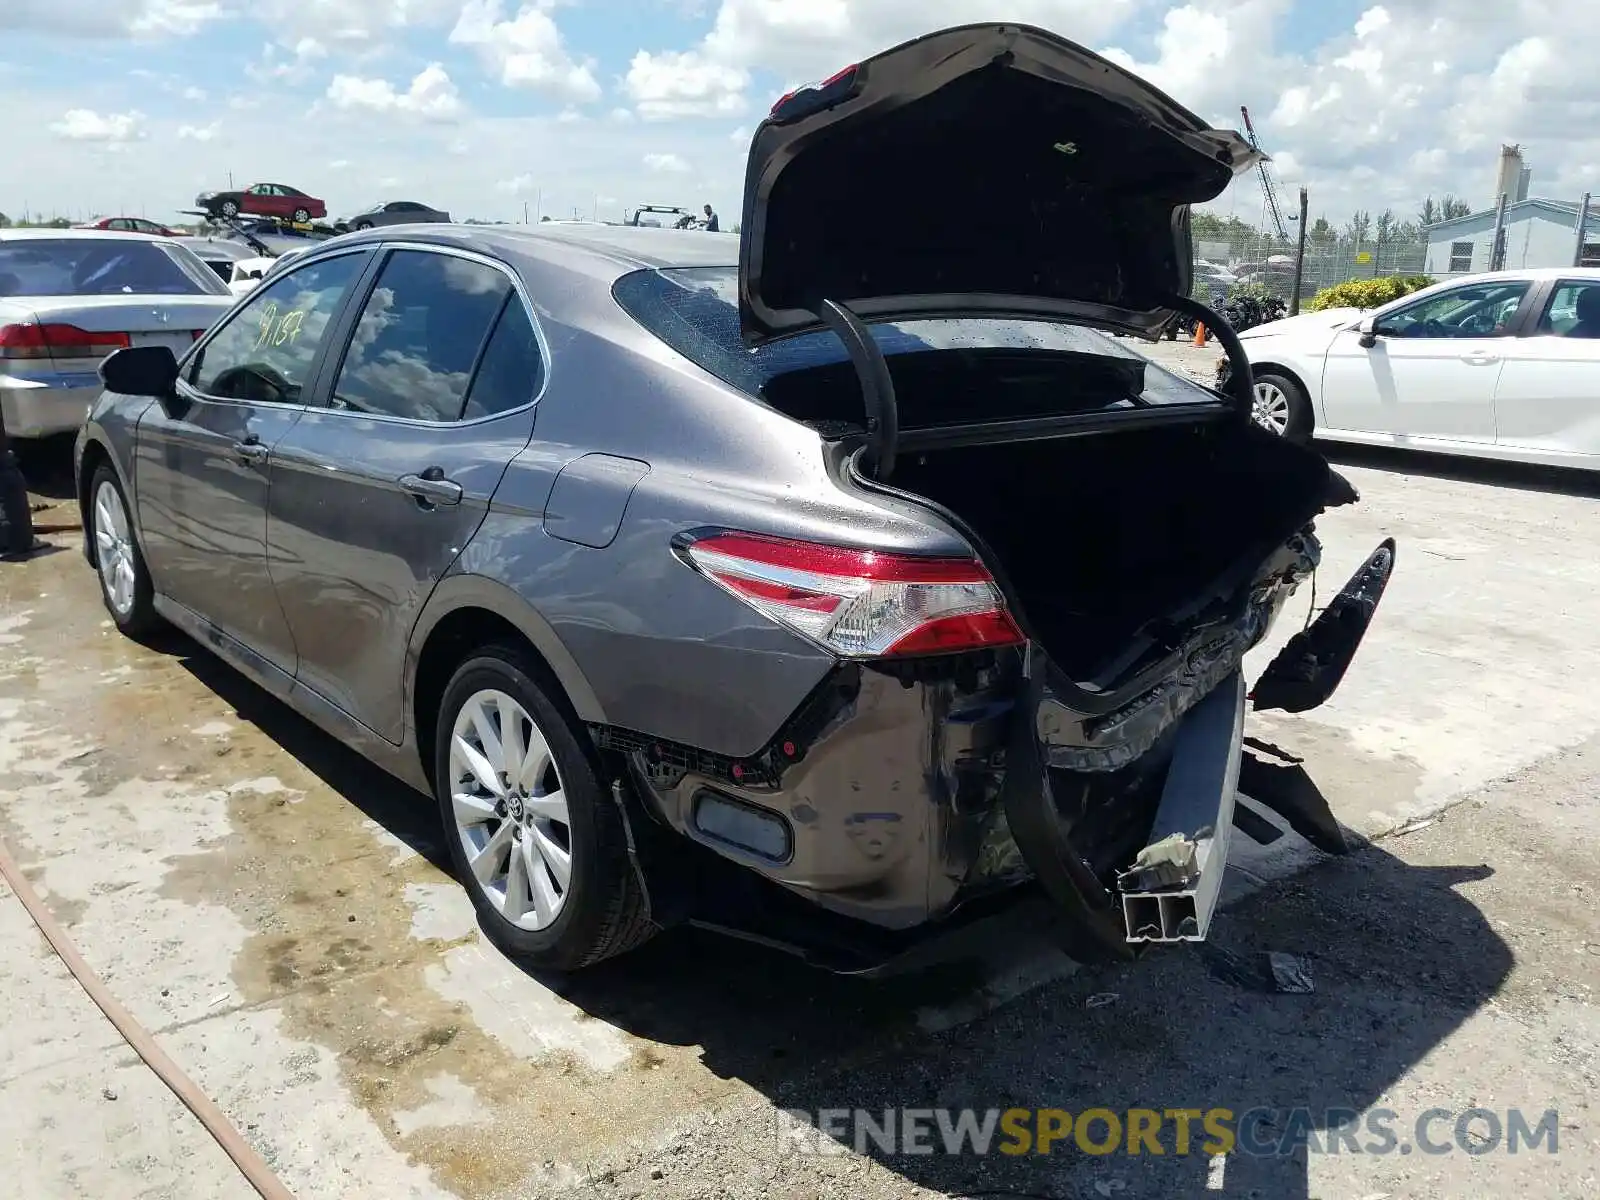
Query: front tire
point(534, 837)
point(301, 216)
point(230, 209)
point(125, 585)
point(1281, 407)
point(360, 225)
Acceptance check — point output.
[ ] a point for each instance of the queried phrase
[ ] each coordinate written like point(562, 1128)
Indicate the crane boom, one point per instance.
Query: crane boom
point(1269, 188)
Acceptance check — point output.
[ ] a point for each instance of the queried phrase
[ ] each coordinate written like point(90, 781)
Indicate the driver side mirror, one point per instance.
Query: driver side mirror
point(1368, 329)
point(142, 371)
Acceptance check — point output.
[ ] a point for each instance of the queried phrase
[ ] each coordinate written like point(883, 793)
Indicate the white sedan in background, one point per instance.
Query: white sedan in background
point(1503, 365)
point(69, 297)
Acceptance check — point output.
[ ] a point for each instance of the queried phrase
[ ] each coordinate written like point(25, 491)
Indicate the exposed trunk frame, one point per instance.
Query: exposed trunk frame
point(882, 410)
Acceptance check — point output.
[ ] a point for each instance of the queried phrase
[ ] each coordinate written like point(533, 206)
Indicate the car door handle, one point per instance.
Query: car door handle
point(250, 451)
point(1480, 360)
point(431, 487)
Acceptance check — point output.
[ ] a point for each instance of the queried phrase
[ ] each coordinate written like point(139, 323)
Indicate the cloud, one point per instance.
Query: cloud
point(519, 186)
point(200, 133)
point(526, 50)
point(96, 19)
point(346, 23)
point(666, 164)
point(86, 125)
point(431, 96)
point(687, 84)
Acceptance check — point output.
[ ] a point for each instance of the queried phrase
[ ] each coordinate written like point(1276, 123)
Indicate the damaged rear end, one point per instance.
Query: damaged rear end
point(955, 212)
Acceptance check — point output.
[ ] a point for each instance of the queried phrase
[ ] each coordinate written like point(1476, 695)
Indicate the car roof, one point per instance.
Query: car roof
point(1532, 273)
point(617, 249)
point(24, 235)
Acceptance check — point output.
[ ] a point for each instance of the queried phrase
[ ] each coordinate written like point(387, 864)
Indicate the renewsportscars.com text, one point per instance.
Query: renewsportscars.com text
point(1256, 1132)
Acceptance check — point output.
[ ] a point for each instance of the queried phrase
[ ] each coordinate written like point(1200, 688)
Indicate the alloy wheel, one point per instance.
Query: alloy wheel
point(510, 811)
point(1271, 408)
point(113, 544)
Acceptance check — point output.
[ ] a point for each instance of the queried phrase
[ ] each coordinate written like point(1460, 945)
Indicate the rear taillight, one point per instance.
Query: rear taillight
point(197, 334)
point(57, 341)
point(860, 603)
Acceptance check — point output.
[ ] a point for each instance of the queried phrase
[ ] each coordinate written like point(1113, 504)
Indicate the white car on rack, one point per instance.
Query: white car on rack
point(1503, 365)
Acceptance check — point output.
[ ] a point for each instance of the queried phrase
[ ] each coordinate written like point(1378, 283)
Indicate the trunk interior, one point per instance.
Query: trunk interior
point(1107, 538)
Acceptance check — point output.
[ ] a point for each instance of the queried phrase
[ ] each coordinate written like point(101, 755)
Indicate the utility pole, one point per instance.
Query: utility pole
point(1583, 221)
point(524, 212)
point(1497, 248)
point(1299, 255)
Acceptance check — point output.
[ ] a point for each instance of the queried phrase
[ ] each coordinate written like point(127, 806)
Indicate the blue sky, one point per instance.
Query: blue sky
point(484, 107)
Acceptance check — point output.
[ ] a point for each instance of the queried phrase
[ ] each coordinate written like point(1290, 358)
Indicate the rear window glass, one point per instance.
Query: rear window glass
point(695, 311)
point(108, 266)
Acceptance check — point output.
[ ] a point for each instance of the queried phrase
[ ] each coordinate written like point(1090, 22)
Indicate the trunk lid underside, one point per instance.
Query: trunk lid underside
point(985, 170)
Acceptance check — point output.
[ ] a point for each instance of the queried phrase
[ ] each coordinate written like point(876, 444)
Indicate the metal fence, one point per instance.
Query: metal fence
point(1270, 261)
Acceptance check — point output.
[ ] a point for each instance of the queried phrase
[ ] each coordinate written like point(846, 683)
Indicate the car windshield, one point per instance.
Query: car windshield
point(94, 266)
point(695, 311)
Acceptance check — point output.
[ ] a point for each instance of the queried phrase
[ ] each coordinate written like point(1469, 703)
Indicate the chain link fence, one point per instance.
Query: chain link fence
point(1270, 262)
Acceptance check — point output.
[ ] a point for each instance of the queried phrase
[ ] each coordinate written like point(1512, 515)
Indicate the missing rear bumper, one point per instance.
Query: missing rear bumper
point(1171, 890)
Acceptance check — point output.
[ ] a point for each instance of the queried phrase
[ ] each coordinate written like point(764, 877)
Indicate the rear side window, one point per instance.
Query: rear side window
point(420, 336)
point(98, 266)
point(512, 369)
point(266, 350)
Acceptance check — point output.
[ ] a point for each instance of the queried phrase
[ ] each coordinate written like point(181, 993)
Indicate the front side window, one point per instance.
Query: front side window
point(420, 337)
point(1477, 310)
point(266, 350)
point(1573, 311)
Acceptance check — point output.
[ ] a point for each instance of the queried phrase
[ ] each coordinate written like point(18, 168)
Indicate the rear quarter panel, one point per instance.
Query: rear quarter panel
point(653, 647)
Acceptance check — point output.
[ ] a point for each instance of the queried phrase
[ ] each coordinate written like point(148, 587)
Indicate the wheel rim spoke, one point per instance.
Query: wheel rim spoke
point(552, 806)
point(489, 738)
point(490, 862)
point(535, 764)
point(472, 810)
point(556, 858)
point(542, 898)
point(481, 769)
point(519, 898)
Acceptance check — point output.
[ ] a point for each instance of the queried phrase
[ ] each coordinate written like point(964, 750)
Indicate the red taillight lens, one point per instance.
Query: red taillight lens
point(57, 341)
point(198, 333)
point(860, 603)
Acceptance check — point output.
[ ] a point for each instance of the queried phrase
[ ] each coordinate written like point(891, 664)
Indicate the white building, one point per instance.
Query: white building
point(1538, 233)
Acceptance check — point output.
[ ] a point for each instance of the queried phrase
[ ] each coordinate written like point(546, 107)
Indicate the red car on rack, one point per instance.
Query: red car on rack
point(266, 200)
point(131, 225)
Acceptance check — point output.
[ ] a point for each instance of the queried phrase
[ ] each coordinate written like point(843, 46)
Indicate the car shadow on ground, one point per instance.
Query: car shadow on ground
point(1527, 477)
point(1398, 959)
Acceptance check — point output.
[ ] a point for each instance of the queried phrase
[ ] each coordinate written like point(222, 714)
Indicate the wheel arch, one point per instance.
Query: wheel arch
point(465, 613)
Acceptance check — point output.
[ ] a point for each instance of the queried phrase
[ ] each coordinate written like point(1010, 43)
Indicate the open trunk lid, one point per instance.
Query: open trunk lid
point(986, 170)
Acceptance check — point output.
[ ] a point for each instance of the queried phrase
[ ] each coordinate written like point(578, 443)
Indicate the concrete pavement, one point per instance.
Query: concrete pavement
point(273, 908)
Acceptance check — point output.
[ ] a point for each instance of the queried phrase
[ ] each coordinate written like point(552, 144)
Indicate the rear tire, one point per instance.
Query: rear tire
point(125, 586)
point(301, 216)
point(1281, 407)
point(534, 837)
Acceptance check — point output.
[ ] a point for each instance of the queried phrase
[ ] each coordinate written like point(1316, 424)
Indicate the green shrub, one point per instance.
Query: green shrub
point(1367, 293)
